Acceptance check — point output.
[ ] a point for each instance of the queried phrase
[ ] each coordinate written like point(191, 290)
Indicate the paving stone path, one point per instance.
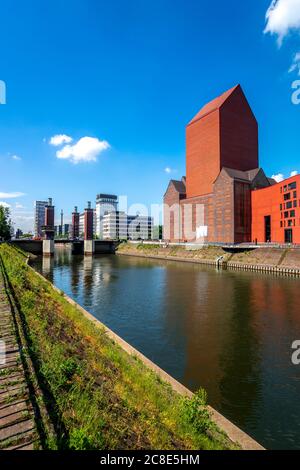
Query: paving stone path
point(17, 424)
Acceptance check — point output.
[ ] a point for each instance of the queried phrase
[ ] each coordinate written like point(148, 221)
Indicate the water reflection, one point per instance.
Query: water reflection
point(228, 332)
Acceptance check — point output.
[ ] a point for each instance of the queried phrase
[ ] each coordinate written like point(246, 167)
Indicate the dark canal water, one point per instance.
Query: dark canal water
point(229, 332)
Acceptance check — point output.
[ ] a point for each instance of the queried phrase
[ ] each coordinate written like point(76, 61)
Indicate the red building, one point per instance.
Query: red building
point(225, 196)
point(276, 212)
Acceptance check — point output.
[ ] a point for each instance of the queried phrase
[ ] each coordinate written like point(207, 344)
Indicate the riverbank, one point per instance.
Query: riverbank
point(268, 259)
point(97, 395)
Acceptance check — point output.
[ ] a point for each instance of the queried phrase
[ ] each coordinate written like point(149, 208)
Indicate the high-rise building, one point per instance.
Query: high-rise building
point(39, 218)
point(105, 203)
point(120, 226)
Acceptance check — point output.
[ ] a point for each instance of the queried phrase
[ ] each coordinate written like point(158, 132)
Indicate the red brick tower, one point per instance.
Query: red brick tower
point(223, 134)
point(88, 222)
point(49, 220)
point(75, 223)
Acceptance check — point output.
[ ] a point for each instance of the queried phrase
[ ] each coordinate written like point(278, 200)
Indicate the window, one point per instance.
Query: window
point(292, 213)
point(281, 207)
point(288, 235)
point(286, 214)
point(284, 189)
point(292, 185)
point(268, 230)
point(289, 205)
point(287, 196)
point(295, 204)
point(294, 194)
point(290, 223)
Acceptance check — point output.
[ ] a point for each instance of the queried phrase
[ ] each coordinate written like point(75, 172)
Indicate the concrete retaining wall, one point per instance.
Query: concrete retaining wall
point(222, 265)
point(31, 246)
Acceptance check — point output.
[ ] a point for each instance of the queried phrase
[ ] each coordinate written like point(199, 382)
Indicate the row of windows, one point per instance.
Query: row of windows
point(288, 223)
point(288, 196)
point(289, 205)
point(288, 187)
point(288, 214)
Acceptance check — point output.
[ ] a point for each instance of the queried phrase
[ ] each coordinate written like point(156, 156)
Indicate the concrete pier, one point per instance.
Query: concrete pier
point(48, 247)
point(89, 247)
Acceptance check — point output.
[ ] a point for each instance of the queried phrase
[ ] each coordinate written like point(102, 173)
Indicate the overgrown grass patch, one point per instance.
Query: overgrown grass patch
point(99, 397)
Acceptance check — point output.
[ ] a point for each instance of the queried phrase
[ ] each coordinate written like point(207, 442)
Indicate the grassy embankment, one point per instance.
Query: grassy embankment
point(97, 395)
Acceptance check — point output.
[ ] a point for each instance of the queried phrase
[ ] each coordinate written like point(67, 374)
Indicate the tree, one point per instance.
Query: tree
point(5, 223)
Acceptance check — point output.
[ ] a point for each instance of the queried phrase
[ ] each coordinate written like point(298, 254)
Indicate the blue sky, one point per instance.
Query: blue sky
point(129, 75)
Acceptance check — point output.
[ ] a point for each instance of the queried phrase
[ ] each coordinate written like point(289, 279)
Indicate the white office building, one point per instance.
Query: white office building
point(120, 226)
point(105, 204)
point(39, 217)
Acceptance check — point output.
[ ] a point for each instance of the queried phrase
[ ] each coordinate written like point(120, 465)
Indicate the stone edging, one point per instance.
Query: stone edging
point(233, 432)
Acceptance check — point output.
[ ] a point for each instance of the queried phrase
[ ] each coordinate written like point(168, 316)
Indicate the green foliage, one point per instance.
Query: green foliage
point(5, 223)
point(195, 411)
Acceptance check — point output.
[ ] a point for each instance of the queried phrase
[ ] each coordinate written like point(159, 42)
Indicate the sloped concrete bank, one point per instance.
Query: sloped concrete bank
point(235, 434)
point(279, 261)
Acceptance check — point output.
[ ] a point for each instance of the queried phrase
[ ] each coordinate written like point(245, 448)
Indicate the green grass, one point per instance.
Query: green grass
point(97, 395)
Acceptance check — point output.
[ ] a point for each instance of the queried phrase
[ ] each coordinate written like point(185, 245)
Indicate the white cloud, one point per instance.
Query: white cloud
point(278, 178)
point(60, 139)
point(11, 195)
point(4, 204)
point(169, 170)
point(19, 206)
point(283, 16)
point(87, 149)
point(16, 157)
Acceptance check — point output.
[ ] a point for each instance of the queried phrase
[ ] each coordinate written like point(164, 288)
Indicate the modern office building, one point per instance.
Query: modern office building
point(105, 203)
point(120, 226)
point(276, 212)
point(215, 201)
point(39, 217)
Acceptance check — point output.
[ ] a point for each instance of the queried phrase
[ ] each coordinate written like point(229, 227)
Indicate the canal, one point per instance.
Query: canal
point(229, 332)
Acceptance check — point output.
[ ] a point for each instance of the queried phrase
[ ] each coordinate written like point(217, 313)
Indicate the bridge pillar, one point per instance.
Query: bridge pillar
point(48, 228)
point(89, 247)
point(48, 247)
point(89, 243)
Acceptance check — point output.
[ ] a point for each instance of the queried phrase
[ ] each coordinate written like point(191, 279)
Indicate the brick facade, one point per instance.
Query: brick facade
point(281, 204)
point(214, 202)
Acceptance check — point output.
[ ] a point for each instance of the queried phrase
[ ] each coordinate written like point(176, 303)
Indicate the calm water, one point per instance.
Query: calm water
point(230, 332)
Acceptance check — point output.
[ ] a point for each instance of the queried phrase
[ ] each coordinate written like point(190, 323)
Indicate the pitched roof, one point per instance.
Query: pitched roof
point(237, 174)
point(214, 104)
point(179, 186)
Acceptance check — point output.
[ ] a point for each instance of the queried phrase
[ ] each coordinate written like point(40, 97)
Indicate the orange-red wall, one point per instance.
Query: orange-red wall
point(202, 154)
point(226, 137)
point(267, 202)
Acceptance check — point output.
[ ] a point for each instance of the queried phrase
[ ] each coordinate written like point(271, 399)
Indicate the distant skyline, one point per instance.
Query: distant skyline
point(98, 94)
